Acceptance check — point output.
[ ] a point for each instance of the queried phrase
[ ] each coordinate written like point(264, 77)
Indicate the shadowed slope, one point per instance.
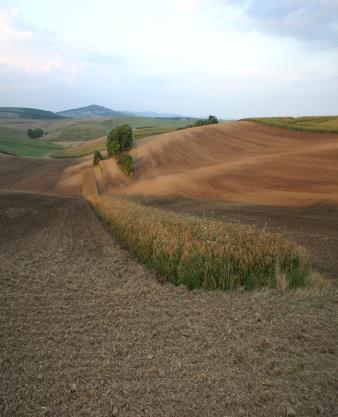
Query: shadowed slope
point(48, 176)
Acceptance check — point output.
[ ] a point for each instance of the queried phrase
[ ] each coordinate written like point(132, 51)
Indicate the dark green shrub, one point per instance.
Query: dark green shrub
point(35, 133)
point(119, 140)
point(212, 120)
point(97, 157)
point(125, 161)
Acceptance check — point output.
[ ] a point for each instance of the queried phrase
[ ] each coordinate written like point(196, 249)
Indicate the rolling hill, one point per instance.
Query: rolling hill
point(235, 161)
point(93, 110)
point(27, 113)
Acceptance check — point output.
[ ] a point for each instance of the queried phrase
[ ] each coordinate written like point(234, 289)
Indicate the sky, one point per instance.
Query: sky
point(231, 58)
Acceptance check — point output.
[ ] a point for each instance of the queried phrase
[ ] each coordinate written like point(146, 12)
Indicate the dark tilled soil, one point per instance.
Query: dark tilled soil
point(87, 331)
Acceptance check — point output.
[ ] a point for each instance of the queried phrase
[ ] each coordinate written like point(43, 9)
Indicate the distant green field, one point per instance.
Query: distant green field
point(81, 150)
point(85, 132)
point(144, 132)
point(320, 124)
point(145, 122)
point(13, 138)
point(95, 128)
point(12, 132)
point(100, 144)
point(27, 147)
point(82, 129)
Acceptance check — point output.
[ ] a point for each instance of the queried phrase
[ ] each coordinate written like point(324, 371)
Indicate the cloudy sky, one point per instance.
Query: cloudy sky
point(232, 58)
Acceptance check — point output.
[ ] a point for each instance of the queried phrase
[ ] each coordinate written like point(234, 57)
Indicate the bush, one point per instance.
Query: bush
point(97, 157)
point(119, 140)
point(125, 162)
point(35, 133)
point(212, 120)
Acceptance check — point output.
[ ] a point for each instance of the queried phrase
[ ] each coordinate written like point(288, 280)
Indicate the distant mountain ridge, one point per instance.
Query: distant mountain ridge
point(93, 110)
point(87, 112)
point(154, 114)
point(26, 113)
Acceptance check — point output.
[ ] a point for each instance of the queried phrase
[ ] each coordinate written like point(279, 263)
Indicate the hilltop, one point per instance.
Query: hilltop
point(27, 113)
point(93, 110)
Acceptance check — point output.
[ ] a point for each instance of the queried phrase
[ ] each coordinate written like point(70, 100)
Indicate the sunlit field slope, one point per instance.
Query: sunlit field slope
point(235, 161)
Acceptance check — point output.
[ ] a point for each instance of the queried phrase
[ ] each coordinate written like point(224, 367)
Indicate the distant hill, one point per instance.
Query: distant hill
point(92, 111)
point(26, 113)
point(158, 115)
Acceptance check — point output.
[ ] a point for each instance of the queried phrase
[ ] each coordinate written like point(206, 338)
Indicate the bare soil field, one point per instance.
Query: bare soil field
point(87, 331)
point(239, 162)
point(49, 176)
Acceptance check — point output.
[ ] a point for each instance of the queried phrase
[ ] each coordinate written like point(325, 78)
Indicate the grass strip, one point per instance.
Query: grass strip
point(201, 252)
point(316, 124)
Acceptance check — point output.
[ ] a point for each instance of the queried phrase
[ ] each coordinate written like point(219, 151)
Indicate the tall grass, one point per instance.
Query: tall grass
point(200, 252)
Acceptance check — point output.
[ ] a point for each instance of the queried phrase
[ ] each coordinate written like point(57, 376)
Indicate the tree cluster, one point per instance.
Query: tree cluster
point(35, 133)
point(211, 120)
point(119, 140)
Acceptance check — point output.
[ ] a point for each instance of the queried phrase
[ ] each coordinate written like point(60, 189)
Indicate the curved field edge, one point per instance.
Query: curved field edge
point(200, 252)
point(99, 144)
point(315, 124)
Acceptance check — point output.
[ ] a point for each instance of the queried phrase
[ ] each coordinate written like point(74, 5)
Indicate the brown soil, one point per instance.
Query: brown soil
point(237, 161)
point(48, 176)
point(87, 331)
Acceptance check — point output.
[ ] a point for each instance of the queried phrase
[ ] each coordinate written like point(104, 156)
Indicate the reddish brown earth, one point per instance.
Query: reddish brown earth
point(239, 162)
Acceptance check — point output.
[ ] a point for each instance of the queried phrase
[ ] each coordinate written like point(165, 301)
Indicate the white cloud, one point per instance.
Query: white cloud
point(190, 56)
point(32, 51)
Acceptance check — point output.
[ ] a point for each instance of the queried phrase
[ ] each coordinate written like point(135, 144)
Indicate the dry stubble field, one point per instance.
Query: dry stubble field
point(87, 331)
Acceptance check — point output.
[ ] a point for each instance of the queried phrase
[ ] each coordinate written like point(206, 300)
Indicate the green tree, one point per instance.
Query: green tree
point(35, 133)
point(125, 162)
point(119, 140)
point(212, 120)
point(97, 157)
point(199, 122)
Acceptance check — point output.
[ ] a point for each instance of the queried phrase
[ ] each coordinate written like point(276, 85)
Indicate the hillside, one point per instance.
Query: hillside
point(320, 124)
point(92, 111)
point(27, 113)
point(235, 161)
